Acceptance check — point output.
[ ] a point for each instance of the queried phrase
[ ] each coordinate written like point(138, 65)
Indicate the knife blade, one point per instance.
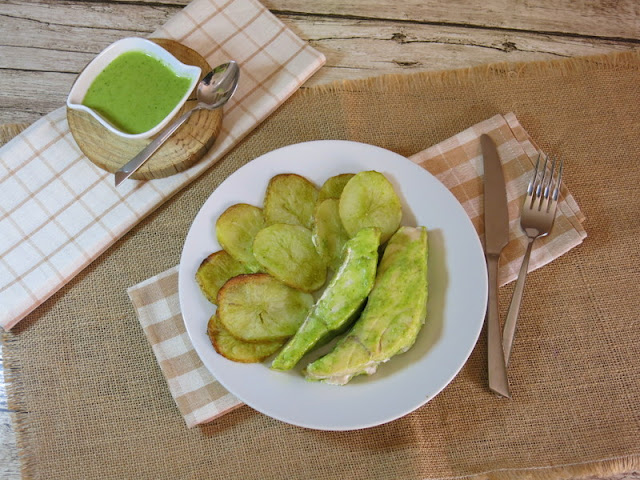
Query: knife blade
point(496, 235)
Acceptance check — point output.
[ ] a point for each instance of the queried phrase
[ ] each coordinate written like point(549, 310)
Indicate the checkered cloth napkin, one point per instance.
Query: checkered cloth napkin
point(457, 163)
point(58, 211)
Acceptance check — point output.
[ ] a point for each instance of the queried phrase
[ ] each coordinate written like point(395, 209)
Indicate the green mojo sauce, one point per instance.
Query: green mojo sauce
point(135, 92)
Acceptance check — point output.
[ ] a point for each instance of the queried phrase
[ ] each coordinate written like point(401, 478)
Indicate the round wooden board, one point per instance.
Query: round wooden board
point(183, 149)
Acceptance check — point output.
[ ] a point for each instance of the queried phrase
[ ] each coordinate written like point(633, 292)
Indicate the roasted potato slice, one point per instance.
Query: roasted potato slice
point(329, 235)
point(287, 252)
point(333, 187)
point(259, 308)
point(235, 230)
point(290, 199)
point(215, 270)
point(369, 200)
point(238, 350)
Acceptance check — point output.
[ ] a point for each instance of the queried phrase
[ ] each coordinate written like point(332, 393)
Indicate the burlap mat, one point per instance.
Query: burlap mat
point(92, 402)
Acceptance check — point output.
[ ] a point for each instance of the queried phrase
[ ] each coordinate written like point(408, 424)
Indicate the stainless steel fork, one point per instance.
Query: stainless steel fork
point(536, 219)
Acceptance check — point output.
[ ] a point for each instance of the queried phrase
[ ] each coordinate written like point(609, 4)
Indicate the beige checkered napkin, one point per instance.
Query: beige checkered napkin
point(200, 398)
point(457, 163)
point(58, 211)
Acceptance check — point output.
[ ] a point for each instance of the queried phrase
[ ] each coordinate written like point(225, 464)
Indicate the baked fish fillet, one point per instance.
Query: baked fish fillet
point(392, 318)
point(341, 299)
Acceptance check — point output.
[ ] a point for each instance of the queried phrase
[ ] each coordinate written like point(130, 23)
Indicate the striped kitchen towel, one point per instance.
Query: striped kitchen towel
point(457, 163)
point(59, 212)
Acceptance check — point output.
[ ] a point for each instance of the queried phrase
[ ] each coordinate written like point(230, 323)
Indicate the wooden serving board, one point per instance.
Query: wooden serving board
point(183, 149)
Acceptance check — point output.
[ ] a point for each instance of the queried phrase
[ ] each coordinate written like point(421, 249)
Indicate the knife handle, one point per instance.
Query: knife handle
point(497, 369)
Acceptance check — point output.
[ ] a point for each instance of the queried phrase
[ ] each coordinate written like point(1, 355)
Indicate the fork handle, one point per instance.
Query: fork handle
point(497, 370)
point(509, 331)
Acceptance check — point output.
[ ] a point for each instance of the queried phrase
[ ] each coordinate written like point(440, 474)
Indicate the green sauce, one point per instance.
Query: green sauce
point(135, 92)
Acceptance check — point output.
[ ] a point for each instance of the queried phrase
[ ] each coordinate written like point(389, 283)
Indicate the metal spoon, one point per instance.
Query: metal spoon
point(213, 91)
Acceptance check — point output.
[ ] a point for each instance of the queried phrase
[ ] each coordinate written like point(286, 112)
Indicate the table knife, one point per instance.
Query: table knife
point(496, 236)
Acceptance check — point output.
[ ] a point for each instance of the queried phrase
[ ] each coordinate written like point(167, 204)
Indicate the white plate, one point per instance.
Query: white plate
point(456, 305)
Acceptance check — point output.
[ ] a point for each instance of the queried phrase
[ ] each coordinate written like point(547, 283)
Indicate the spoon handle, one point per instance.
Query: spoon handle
point(136, 162)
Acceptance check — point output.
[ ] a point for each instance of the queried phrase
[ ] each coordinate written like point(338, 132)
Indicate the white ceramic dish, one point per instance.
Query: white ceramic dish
point(91, 71)
point(456, 305)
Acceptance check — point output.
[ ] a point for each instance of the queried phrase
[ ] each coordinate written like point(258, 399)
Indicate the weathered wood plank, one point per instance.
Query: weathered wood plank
point(131, 16)
point(19, 102)
point(77, 26)
point(9, 462)
point(602, 18)
point(375, 47)
point(47, 41)
point(31, 57)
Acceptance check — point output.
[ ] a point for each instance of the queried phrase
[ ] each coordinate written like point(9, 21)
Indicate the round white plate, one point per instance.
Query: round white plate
point(456, 305)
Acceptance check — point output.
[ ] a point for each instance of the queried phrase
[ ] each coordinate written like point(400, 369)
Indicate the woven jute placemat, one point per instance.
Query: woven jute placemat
point(91, 401)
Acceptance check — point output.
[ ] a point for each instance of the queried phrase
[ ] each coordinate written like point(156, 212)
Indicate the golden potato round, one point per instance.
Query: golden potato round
point(259, 308)
point(290, 199)
point(215, 270)
point(329, 235)
point(237, 350)
point(235, 230)
point(287, 252)
point(369, 200)
point(333, 187)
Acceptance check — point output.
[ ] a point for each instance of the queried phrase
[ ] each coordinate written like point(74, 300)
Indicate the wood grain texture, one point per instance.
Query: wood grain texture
point(182, 150)
point(44, 44)
point(47, 42)
point(600, 18)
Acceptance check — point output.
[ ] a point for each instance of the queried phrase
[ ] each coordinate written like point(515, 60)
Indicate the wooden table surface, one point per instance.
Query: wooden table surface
point(45, 43)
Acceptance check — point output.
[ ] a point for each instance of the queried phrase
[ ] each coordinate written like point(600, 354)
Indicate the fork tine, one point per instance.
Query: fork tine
point(556, 191)
point(540, 190)
point(533, 178)
point(544, 172)
point(530, 197)
point(548, 184)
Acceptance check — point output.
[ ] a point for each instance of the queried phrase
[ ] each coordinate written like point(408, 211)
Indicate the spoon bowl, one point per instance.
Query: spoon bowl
point(217, 87)
point(213, 91)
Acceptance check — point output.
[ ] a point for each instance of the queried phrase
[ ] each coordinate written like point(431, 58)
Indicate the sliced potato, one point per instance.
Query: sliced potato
point(259, 308)
point(329, 235)
point(290, 199)
point(333, 187)
point(369, 200)
point(238, 350)
point(215, 270)
point(287, 252)
point(235, 230)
